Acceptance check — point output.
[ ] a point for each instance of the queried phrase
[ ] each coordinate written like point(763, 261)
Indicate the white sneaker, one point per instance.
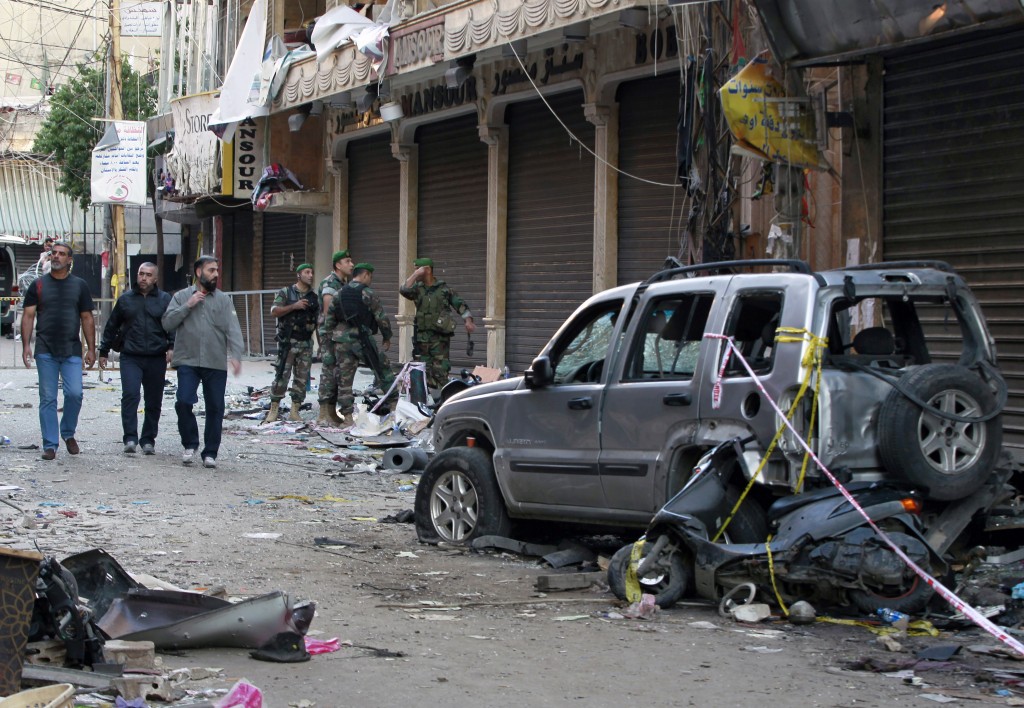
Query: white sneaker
point(188, 457)
point(209, 462)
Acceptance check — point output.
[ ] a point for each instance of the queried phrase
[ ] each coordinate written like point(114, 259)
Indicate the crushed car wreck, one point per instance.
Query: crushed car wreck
point(887, 369)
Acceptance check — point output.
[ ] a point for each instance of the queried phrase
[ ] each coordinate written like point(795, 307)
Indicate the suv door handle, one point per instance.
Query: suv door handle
point(580, 404)
point(677, 399)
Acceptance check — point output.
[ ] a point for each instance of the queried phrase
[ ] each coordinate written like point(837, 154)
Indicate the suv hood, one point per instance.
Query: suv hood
point(487, 388)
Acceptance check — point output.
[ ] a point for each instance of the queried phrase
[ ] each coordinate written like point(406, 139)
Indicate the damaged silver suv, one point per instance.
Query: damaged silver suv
point(609, 420)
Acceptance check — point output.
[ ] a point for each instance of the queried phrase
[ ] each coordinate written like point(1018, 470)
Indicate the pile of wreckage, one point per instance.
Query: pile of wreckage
point(85, 624)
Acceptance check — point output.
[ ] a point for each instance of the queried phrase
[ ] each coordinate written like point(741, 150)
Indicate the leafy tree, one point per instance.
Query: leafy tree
point(69, 132)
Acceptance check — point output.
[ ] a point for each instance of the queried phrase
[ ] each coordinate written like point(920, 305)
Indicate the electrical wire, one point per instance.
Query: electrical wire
point(573, 136)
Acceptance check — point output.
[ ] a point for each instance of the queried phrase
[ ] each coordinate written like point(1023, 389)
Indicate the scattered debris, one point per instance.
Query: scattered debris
point(802, 612)
point(567, 581)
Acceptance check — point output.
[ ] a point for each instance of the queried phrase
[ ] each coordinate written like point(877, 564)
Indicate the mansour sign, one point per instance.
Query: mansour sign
point(248, 153)
point(417, 46)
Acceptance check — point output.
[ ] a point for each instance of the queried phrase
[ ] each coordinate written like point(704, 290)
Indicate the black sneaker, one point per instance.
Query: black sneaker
point(129, 448)
point(148, 449)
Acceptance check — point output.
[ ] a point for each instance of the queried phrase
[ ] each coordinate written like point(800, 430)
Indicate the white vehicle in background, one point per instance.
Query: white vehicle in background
point(9, 282)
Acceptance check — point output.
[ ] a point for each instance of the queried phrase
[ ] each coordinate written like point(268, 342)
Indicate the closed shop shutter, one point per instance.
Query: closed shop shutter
point(453, 220)
point(550, 222)
point(649, 216)
point(284, 248)
point(373, 178)
point(953, 170)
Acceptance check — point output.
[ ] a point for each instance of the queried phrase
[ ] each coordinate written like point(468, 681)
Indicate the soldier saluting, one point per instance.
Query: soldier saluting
point(434, 325)
point(355, 315)
point(296, 308)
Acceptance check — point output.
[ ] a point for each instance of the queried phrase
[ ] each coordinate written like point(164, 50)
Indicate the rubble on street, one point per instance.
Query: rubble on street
point(316, 525)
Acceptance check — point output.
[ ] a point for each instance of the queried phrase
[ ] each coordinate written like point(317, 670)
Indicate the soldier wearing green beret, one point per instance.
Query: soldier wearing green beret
point(329, 287)
point(355, 316)
point(297, 310)
point(434, 324)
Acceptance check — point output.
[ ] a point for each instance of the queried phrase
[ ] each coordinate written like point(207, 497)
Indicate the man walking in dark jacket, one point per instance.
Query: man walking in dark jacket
point(145, 353)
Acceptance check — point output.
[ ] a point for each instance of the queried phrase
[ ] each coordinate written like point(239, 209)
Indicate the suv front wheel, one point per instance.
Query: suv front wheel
point(458, 499)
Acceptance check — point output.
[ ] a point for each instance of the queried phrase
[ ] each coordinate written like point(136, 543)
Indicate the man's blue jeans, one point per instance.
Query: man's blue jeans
point(70, 371)
point(214, 382)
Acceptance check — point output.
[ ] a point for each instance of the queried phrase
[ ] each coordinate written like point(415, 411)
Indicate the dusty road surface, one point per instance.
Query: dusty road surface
point(428, 625)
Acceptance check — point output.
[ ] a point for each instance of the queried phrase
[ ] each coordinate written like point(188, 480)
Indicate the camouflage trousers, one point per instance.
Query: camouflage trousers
point(350, 357)
point(434, 353)
point(328, 392)
point(292, 362)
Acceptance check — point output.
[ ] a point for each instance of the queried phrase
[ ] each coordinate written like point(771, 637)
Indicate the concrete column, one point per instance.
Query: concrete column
point(496, 138)
point(408, 214)
point(606, 194)
point(339, 204)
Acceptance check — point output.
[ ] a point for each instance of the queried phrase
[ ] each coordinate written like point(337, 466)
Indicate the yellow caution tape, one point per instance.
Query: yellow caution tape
point(812, 359)
point(633, 592)
point(916, 628)
point(771, 574)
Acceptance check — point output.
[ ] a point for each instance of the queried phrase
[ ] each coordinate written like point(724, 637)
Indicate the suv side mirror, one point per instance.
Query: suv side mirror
point(540, 373)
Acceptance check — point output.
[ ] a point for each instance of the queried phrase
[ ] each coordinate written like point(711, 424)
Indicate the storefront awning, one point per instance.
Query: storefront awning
point(30, 205)
point(805, 32)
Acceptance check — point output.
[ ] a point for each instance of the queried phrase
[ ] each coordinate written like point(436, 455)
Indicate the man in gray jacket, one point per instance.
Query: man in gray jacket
point(207, 338)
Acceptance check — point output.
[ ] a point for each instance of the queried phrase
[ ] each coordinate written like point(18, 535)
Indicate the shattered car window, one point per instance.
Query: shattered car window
point(896, 331)
point(752, 323)
point(581, 358)
point(668, 340)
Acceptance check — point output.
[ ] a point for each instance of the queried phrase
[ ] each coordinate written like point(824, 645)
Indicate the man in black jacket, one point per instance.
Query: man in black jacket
point(145, 353)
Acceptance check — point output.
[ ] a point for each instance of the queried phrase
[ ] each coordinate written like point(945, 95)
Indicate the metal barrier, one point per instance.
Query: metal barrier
point(251, 306)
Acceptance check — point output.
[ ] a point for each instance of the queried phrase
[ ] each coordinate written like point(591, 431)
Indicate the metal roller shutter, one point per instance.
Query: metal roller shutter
point(954, 166)
point(284, 248)
point(453, 220)
point(649, 215)
point(550, 222)
point(373, 178)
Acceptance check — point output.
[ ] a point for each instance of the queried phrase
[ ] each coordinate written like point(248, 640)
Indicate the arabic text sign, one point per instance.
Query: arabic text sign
point(764, 121)
point(119, 171)
point(141, 20)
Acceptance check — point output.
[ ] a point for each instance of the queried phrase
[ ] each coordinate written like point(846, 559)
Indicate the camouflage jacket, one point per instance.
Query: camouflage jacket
point(341, 331)
point(434, 306)
point(328, 286)
point(297, 327)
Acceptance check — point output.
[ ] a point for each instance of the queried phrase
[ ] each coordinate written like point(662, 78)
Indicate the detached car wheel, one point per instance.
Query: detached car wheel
point(951, 459)
point(458, 499)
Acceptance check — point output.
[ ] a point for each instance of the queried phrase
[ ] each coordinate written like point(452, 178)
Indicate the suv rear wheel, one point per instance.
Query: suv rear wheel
point(457, 498)
point(950, 458)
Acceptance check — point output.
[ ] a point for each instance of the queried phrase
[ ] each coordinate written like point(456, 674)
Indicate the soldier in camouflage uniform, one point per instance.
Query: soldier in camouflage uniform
point(434, 324)
point(328, 394)
point(355, 315)
point(297, 310)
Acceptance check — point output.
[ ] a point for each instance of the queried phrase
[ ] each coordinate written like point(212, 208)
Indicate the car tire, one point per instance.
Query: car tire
point(667, 588)
point(458, 499)
point(950, 460)
point(909, 599)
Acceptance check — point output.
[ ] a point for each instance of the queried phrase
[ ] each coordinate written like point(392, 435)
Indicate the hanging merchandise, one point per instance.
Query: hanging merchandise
point(767, 122)
point(274, 179)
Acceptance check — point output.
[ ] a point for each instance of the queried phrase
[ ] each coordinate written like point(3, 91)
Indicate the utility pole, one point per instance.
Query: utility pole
point(117, 262)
